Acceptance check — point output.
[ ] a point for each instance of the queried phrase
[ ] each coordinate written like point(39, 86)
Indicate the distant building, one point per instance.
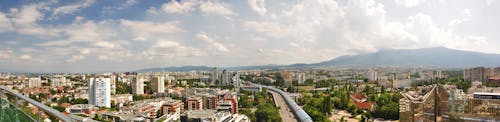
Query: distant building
point(439, 74)
point(287, 77)
point(138, 85)
point(225, 77)
point(113, 84)
point(58, 81)
point(301, 78)
point(215, 76)
point(34, 82)
point(100, 92)
point(158, 84)
point(371, 75)
point(401, 83)
point(475, 74)
point(122, 98)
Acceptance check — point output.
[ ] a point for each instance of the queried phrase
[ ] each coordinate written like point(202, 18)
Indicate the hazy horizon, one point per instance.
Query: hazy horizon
point(94, 36)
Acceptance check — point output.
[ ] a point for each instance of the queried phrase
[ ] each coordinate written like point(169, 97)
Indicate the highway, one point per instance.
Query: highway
point(285, 113)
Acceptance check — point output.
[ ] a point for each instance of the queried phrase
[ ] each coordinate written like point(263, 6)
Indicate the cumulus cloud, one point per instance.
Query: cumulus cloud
point(25, 57)
point(143, 30)
point(216, 8)
point(212, 43)
point(258, 6)
point(4, 23)
point(68, 9)
point(5, 54)
point(409, 3)
point(185, 32)
point(75, 58)
point(176, 7)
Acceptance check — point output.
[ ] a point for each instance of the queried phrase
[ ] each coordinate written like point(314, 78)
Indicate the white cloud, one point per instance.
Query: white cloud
point(271, 29)
point(258, 6)
point(166, 44)
point(175, 7)
point(164, 49)
point(5, 54)
point(28, 15)
point(409, 3)
point(105, 44)
point(455, 22)
point(467, 12)
point(216, 8)
point(25, 57)
point(212, 43)
point(75, 58)
point(143, 30)
point(68, 9)
point(5, 24)
point(489, 2)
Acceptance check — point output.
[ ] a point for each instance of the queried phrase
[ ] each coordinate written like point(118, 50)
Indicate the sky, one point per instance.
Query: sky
point(126, 35)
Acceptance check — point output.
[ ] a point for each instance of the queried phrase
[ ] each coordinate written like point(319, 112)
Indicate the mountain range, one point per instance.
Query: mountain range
point(435, 56)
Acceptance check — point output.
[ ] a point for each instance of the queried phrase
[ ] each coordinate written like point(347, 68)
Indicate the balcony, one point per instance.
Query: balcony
point(14, 108)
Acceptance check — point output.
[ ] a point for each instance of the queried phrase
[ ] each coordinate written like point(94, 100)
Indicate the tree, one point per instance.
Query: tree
point(59, 108)
point(327, 105)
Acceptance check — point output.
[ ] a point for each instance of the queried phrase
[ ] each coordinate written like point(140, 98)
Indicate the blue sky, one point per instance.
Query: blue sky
point(125, 35)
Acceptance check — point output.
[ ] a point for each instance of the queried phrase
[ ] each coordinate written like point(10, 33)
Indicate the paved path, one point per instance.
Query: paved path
point(285, 113)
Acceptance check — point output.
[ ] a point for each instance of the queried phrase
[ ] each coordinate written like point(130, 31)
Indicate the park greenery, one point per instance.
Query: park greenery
point(265, 111)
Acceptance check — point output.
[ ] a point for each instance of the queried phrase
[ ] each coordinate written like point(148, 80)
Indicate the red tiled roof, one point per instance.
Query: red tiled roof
point(363, 105)
point(359, 96)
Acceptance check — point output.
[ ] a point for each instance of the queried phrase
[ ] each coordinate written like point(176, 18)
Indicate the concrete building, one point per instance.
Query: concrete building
point(439, 74)
point(138, 85)
point(225, 77)
point(171, 109)
point(58, 81)
point(34, 82)
point(401, 83)
point(122, 98)
point(301, 78)
point(113, 84)
point(206, 116)
point(215, 76)
point(475, 74)
point(81, 109)
point(209, 102)
point(100, 92)
point(194, 103)
point(287, 77)
point(371, 75)
point(158, 84)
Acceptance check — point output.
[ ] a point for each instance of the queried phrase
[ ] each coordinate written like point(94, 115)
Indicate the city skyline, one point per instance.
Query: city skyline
point(93, 36)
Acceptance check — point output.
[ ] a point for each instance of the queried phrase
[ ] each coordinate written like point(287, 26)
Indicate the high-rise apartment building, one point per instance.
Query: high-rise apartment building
point(214, 77)
point(34, 82)
point(287, 77)
point(138, 85)
point(371, 75)
point(113, 84)
point(158, 84)
point(224, 77)
point(475, 74)
point(301, 78)
point(100, 92)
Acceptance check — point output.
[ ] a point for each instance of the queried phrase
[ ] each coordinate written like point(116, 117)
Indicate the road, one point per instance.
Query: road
point(285, 113)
